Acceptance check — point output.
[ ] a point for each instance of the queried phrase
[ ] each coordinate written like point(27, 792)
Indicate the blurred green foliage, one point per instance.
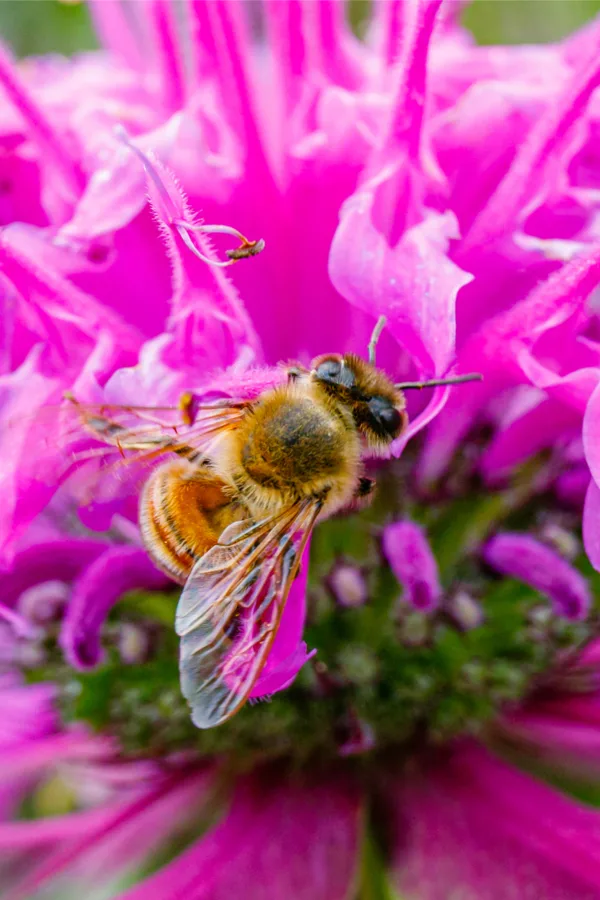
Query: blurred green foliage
point(46, 26)
point(526, 21)
point(56, 26)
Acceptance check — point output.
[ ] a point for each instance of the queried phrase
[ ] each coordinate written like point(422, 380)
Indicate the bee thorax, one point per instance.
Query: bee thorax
point(295, 447)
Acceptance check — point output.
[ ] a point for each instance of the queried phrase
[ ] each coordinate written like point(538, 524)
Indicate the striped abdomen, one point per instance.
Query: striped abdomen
point(183, 512)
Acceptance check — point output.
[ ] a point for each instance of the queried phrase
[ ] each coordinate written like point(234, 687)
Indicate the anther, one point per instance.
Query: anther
point(246, 249)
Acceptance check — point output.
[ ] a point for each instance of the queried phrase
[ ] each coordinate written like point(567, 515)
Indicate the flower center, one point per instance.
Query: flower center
point(389, 668)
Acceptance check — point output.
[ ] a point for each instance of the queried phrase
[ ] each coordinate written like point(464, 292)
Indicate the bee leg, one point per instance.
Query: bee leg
point(363, 493)
point(365, 488)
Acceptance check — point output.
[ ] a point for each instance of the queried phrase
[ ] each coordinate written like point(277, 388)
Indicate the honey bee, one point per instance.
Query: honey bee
point(238, 490)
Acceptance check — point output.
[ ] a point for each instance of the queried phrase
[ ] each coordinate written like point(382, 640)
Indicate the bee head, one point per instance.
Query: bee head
point(377, 406)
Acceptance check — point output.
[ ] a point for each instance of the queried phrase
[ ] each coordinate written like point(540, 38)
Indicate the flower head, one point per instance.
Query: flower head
point(434, 642)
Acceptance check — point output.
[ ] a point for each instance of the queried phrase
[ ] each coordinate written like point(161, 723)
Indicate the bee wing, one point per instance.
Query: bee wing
point(231, 606)
point(169, 428)
point(133, 439)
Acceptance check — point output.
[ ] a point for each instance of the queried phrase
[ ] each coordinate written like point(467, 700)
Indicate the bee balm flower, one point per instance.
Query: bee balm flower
point(448, 187)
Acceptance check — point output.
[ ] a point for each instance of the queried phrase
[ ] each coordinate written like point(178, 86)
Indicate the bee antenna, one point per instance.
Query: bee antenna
point(372, 346)
point(436, 382)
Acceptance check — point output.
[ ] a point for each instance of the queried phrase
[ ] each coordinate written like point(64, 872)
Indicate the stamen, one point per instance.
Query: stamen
point(172, 214)
point(246, 249)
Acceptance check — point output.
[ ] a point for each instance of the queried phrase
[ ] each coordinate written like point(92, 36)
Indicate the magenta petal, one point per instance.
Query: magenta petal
point(28, 713)
point(534, 167)
point(30, 757)
point(288, 653)
point(117, 571)
point(591, 434)
point(436, 404)
point(122, 837)
point(571, 486)
point(34, 477)
point(535, 430)
point(591, 524)
point(550, 735)
point(26, 388)
point(65, 175)
point(60, 559)
point(413, 284)
point(411, 559)
point(114, 30)
point(473, 827)
point(279, 840)
point(279, 676)
point(522, 557)
point(497, 348)
point(51, 829)
point(573, 389)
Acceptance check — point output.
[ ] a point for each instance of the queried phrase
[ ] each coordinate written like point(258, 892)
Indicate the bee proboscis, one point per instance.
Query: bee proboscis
point(235, 491)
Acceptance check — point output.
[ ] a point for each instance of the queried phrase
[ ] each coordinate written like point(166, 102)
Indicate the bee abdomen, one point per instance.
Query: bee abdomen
point(180, 516)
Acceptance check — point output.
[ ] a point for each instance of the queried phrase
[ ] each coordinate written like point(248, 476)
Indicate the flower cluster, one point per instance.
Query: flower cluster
point(437, 643)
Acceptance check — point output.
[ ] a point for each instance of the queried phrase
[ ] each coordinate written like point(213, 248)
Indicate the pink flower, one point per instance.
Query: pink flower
point(434, 644)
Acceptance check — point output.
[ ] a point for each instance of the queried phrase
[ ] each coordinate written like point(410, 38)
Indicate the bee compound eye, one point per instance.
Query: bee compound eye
point(329, 370)
point(386, 415)
point(390, 419)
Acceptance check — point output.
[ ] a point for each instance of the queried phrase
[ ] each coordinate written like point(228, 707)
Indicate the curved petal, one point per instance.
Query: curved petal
point(591, 434)
point(279, 840)
point(49, 560)
point(102, 584)
point(591, 524)
point(413, 284)
point(535, 430)
point(550, 736)
point(117, 839)
point(472, 827)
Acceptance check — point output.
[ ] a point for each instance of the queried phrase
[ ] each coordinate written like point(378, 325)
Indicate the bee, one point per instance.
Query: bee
point(239, 487)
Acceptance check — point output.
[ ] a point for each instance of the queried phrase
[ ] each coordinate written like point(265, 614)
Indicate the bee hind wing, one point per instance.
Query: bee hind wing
point(231, 607)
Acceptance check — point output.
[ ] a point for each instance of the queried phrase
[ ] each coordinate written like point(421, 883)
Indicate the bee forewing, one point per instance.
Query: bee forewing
point(231, 606)
point(106, 449)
